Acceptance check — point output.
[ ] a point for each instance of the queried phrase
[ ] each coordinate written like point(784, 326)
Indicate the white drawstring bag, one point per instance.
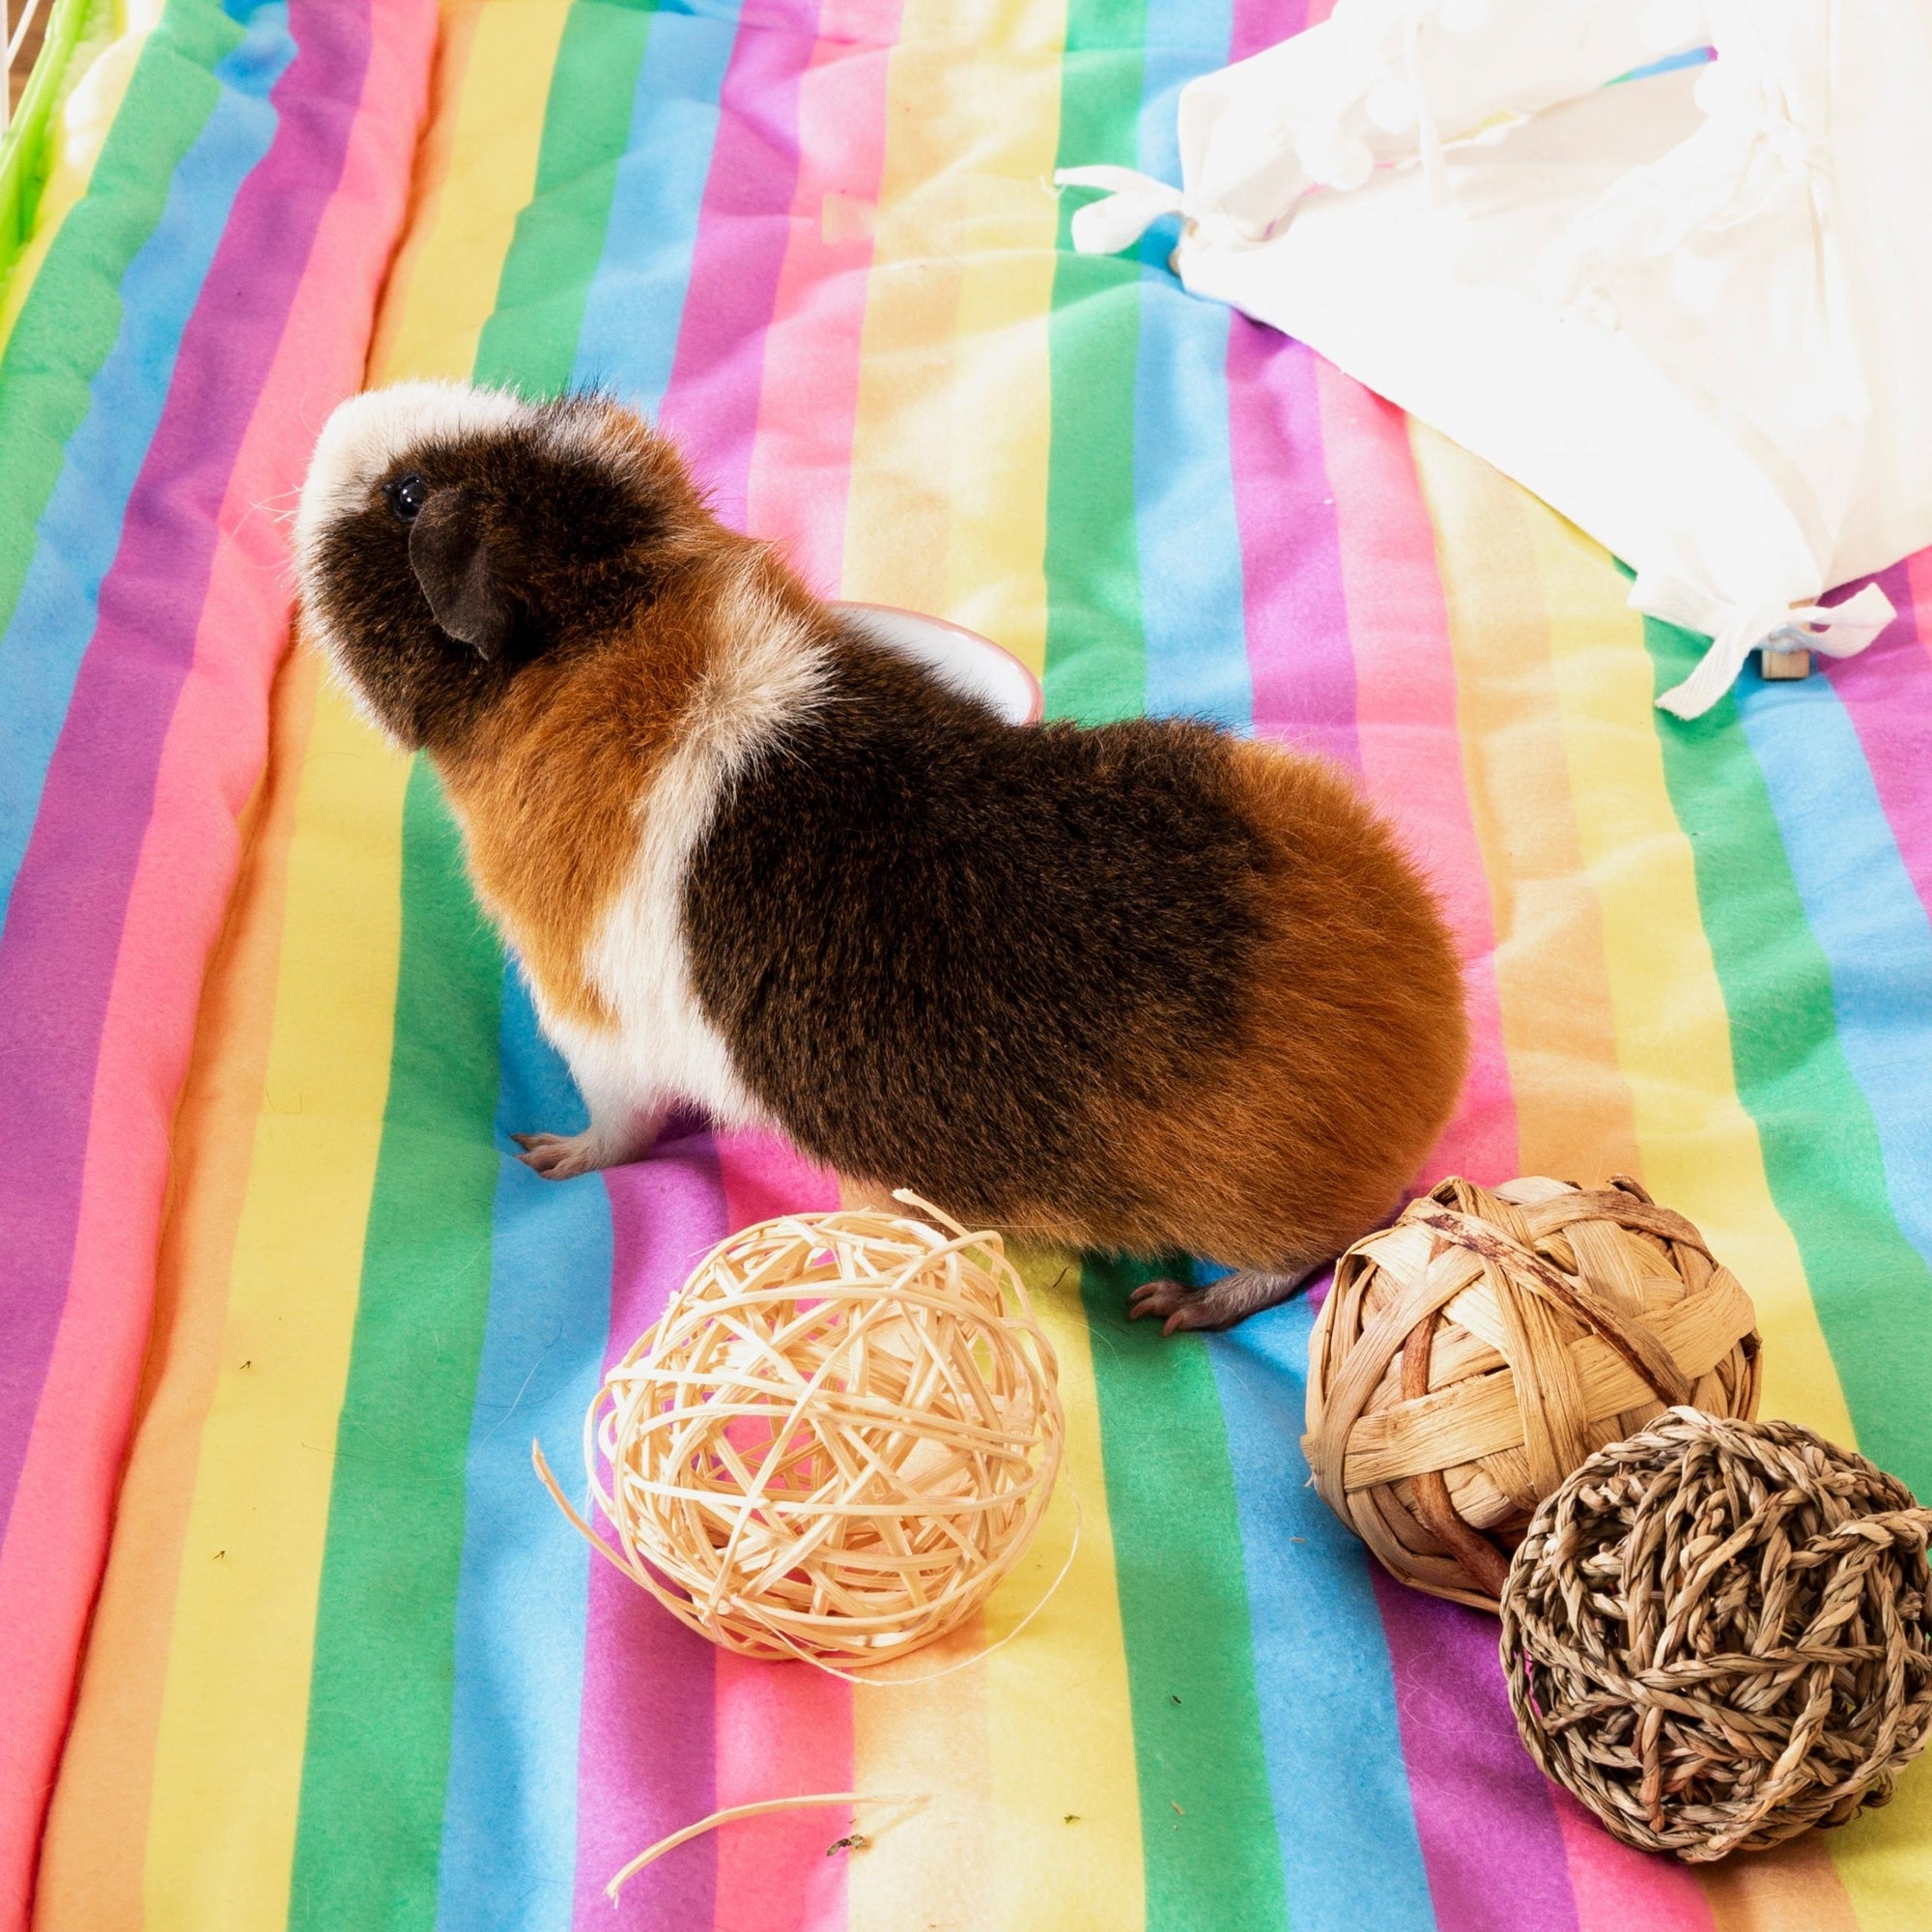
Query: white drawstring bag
point(1692, 311)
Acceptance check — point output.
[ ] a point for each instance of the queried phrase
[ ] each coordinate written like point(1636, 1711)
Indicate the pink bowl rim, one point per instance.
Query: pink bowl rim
point(1037, 710)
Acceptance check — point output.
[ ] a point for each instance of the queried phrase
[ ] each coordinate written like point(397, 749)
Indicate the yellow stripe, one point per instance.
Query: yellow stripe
point(228, 1760)
point(1884, 1858)
point(1001, 401)
point(948, 514)
point(1699, 1148)
point(1060, 1718)
point(445, 288)
point(948, 509)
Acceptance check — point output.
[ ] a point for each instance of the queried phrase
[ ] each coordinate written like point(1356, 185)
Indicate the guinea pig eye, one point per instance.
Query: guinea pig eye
point(407, 496)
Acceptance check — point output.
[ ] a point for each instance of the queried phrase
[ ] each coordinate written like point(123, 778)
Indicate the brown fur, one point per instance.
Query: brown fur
point(1329, 1093)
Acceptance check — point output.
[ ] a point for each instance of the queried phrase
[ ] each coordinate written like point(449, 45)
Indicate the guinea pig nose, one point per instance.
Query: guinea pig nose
point(407, 496)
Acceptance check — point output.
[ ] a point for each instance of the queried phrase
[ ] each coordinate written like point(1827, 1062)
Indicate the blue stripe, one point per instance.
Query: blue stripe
point(79, 531)
point(1669, 64)
point(1192, 616)
point(1349, 1852)
point(509, 1823)
point(1865, 915)
point(630, 316)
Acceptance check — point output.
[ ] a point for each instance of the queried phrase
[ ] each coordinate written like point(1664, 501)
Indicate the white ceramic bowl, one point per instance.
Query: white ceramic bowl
point(971, 665)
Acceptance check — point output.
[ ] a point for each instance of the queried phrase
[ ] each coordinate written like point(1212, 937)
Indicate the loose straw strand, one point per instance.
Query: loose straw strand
point(731, 1815)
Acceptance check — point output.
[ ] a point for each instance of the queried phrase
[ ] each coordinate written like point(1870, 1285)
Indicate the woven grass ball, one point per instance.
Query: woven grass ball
point(1716, 1635)
point(1470, 1356)
point(837, 1439)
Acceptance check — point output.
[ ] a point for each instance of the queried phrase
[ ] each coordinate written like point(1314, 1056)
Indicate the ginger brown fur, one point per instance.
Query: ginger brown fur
point(547, 785)
point(1328, 1094)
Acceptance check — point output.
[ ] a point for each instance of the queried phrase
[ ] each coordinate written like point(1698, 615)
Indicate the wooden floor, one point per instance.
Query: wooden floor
point(23, 61)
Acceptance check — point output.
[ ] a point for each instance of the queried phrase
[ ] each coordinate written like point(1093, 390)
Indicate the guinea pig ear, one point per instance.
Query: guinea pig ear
point(452, 566)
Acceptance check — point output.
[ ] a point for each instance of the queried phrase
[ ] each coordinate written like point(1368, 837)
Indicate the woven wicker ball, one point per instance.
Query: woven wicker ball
point(1471, 1355)
point(840, 1435)
point(1716, 1635)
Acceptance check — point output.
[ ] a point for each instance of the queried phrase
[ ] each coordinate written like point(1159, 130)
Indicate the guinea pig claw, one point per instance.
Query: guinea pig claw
point(1222, 1303)
point(1176, 1303)
point(558, 1156)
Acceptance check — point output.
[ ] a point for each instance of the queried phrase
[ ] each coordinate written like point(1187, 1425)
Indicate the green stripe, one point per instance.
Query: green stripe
point(1207, 1826)
point(377, 1757)
point(1095, 655)
point(1820, 1142)
point(72, 313)
point(1208, 1831)
point(531, 341)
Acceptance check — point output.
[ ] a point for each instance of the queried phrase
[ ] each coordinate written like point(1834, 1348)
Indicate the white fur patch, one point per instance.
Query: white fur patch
point(766, 673)
point(365, 436)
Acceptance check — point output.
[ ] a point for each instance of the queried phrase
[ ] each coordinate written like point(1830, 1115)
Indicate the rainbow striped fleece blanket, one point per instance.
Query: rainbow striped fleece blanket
point(289, 1635)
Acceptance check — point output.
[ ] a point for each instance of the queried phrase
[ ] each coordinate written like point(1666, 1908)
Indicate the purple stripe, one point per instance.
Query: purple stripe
point(63, 933)
point(1886, 690)
point(1301, 662)
point(744, 225)
point(1485, 1814)
point(646, 1749)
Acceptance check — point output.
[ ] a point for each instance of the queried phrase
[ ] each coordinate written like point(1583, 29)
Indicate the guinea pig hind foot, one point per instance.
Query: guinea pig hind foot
point(1221, 1303)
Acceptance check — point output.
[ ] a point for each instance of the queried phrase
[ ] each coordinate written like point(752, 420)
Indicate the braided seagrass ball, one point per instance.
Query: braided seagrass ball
point(1475, 1354)
point(838, 1437)
point(1716, 1635)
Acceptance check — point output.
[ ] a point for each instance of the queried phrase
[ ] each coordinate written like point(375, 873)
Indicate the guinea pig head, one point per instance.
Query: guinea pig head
point(449, 536)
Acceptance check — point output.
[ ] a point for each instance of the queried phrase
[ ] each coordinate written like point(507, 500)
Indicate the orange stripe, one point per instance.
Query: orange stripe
point(92, 1855)
point(1574, 1115)
point(1791, 1888)
point(430, 178)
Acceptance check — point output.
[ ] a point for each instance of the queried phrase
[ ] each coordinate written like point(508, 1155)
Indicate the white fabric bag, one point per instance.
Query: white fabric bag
point(1691, 311)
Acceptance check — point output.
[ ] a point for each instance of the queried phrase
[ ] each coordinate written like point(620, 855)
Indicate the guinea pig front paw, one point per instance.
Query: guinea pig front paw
point(562, 1156)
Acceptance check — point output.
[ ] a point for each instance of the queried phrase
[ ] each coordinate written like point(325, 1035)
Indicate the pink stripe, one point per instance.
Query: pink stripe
point(1918, 581)
point(1886, 690)
point(782, 1728)
point(1260, 23)
point(765, 1176)
point(712, 401)
point(210, 757)
point(1484, 1815)
point(1411, 755)
point(645, 1739)
point(1620, 1891)
point(1481, 1806)
point(1301, 663)
point(799, 481)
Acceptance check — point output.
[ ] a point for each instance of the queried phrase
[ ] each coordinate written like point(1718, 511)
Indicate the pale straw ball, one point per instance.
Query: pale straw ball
point(838, 1437)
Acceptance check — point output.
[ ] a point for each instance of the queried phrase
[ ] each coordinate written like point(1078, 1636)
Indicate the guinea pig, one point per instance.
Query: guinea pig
point(1149, 988)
